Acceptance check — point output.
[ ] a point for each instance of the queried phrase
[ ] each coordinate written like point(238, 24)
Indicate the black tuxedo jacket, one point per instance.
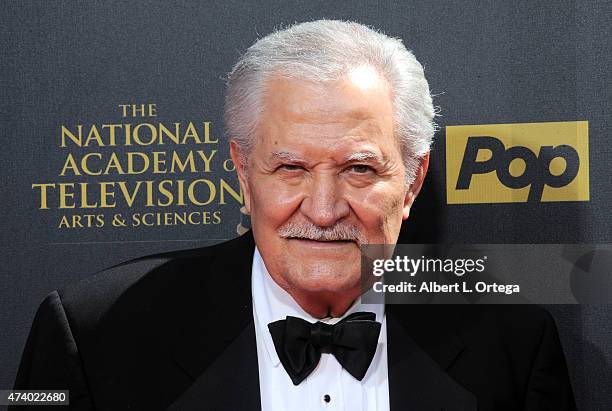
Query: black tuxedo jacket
point(176, 331)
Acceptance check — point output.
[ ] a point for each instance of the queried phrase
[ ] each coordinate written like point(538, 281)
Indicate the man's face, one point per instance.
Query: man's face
point(325, 175)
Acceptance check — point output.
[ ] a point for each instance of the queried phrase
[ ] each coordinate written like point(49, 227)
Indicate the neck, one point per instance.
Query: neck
point(323, 304)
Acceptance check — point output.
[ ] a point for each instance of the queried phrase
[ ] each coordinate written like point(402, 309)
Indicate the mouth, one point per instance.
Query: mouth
point(307, 242)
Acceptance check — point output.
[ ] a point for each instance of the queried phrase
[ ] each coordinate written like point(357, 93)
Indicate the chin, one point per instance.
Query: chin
point(326, 278)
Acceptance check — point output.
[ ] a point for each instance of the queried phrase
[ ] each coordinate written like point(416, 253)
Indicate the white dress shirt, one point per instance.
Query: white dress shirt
point(329, 381)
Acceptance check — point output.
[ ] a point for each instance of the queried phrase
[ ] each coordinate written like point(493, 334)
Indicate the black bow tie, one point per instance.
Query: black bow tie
point(352, 341)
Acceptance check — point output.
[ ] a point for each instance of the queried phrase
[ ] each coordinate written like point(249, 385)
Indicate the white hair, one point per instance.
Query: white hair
point(325, 51)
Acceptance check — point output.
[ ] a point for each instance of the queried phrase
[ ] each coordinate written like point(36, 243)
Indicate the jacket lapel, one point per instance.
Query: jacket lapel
point(417, 378)
point(215, 342)
point(231, 382)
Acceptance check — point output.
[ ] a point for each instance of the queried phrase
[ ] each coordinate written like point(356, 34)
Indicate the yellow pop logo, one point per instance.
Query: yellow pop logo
point(505, 163)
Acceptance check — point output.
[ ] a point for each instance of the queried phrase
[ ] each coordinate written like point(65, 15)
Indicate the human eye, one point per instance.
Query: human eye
point(360, 168)
point(290, 167)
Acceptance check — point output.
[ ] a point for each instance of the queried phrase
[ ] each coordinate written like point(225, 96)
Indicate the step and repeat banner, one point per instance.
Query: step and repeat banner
point(114, 145)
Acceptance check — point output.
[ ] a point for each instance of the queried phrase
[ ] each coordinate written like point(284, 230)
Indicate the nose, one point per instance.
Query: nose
point(324, 203)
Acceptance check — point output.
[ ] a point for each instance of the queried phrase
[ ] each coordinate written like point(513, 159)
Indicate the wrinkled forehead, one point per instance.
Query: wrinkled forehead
point(360, 99)
point(349, 118)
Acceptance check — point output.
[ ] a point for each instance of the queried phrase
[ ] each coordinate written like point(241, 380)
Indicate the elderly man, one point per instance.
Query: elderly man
point(330, 125)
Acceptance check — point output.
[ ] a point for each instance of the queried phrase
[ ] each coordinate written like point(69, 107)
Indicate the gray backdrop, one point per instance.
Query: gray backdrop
point(487, 62)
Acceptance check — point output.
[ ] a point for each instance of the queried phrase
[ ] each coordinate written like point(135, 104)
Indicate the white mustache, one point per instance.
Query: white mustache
point(339, 232)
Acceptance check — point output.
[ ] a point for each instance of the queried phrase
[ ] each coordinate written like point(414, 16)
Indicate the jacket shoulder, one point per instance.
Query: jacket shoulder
point(137, 284)
point(120, 335)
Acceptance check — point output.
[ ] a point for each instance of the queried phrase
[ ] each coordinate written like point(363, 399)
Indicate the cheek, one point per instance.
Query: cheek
point(380, 211)
point(273, 202)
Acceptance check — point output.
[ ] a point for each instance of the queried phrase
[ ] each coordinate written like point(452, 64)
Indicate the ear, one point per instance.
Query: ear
point(242, 175)
point(415, 187)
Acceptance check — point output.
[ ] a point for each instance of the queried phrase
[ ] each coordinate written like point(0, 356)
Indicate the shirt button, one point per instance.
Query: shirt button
point(326, 398)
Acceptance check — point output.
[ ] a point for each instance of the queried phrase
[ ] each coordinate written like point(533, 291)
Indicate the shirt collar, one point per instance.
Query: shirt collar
point(272, 303)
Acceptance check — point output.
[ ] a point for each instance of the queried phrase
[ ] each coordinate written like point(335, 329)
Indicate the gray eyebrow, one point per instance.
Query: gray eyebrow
point(285, 155)
point(358, 156)
point(364, 155)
